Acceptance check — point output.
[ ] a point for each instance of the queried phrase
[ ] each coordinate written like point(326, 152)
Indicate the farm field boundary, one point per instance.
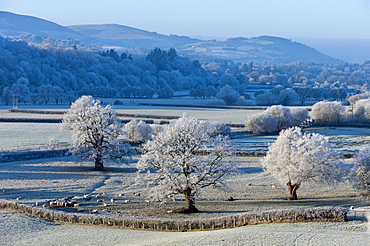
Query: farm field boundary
point(334, 214)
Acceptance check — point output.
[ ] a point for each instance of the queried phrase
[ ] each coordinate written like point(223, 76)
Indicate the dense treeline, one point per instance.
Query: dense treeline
point(106, 74)
point(51, 71)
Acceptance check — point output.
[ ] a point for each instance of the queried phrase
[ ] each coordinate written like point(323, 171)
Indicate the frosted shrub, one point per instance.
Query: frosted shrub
point(353, 99)
point(220, 129)
point(296, 158)
point(361, 110)
point(138, 130)
point(171, 165)
point(360, 173)
point(300, 115)
point(261, 123)
point(276, 118)
point(282, 115)
point(327, 112)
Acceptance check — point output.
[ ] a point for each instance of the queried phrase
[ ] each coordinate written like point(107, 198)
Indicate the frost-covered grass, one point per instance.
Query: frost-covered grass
point(220, 115)
point(30, 135)
point(35, 181)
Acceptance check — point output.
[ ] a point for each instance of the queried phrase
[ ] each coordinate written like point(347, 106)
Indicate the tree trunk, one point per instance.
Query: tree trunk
point(292, 190)
point(190, 202)
point(99, 165)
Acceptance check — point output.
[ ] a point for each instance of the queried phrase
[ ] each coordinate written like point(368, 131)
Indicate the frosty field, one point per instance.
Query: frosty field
point(30, 135)
point(35, 181)
point(251, 188)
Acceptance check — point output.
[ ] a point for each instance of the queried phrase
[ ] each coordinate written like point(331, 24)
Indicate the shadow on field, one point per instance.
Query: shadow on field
point(120, 170)
point(250, 169)
point(222, 212)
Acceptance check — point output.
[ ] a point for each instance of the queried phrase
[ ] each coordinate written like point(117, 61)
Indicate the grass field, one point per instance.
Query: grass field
point(251, 187)
point(38, 180)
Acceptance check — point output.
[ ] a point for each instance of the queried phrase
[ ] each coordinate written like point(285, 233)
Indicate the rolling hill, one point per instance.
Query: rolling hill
point(263, 49)
point(128, 37)
point(14, 25)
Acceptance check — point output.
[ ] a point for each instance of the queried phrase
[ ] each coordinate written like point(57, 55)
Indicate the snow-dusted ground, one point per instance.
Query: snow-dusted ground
point(55, 178)
point(40, 179)
point(16, 229)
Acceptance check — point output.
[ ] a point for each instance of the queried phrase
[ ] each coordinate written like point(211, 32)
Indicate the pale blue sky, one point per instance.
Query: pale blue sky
point(297, 19)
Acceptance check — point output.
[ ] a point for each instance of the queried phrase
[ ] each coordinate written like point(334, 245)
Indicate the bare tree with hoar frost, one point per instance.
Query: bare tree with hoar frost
point(176, 166)
point(361, 173)
point(94, 131)
point(296, 157)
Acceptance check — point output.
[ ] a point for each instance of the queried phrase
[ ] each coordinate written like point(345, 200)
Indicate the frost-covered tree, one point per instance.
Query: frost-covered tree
point(172, 165)
point(297, 157)
point(20, 88)
point(361, 173)
point(289, 97)
point(228, 94)
point(266, 99)
point(7, 96)
point(327, 112)
point(137, 130)
point(94, 131)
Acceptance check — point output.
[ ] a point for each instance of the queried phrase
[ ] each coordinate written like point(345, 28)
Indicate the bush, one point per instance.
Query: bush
point(261, 123)
point(138, 131)
point(327, 112)
point(220, 129)
point(276, 118)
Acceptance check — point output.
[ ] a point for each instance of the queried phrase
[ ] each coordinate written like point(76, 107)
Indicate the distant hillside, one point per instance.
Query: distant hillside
point(261, 50)
point(128, 37)
point(15, 25)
